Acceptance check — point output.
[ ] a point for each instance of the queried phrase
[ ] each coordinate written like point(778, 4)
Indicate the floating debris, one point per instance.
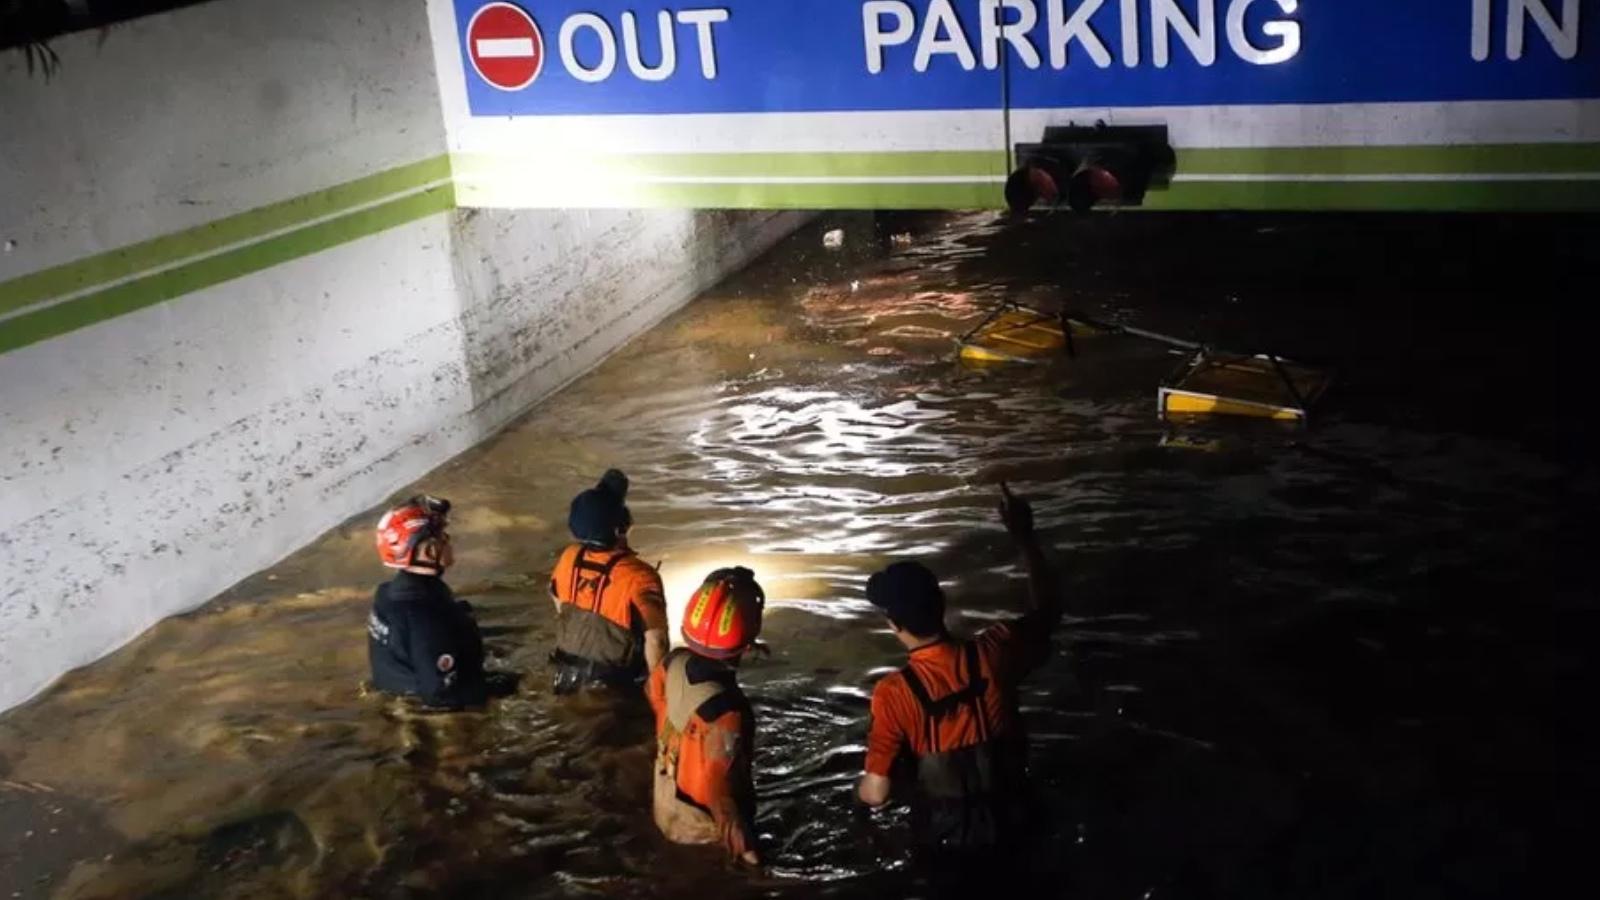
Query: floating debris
point(1259, 386)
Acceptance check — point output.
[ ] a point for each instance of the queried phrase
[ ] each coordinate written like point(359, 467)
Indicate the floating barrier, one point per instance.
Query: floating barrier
point(1260, 386)
point(1020, 335)
point(1210, 382)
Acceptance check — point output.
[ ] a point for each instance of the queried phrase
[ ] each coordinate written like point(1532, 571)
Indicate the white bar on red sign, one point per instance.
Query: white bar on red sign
point(504, 48)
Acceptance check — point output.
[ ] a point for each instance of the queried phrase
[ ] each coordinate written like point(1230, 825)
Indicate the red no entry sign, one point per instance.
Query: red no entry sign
point(505, 46)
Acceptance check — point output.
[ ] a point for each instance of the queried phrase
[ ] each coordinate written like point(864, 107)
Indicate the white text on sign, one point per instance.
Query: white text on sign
point(597, 31)
point(1062, 26)
point(1562, 34)
point(1054, 32)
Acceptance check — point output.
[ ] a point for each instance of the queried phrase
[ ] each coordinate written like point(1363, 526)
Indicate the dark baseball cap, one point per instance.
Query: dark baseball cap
point(909, 594)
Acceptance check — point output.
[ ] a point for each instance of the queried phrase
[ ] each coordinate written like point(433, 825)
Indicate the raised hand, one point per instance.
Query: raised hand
point(1016, 514)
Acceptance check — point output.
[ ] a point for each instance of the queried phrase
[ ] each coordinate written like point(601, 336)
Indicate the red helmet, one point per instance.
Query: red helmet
point(724, 617)
point(403, 529)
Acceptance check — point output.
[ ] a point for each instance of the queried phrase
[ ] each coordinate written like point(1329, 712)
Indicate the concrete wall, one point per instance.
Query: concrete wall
point(237, 305)
point(550, 294)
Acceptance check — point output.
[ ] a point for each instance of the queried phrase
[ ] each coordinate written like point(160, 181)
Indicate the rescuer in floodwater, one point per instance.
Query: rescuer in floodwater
point(953, 707)
point(421, 640)
point(611, 611)
point(705, 729)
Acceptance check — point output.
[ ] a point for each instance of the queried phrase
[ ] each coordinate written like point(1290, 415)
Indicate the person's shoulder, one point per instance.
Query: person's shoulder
point(1015, 645)
point(698, 669)
point(568, 556)
point(998, 632)
point(393, 598)
point(731, 700)
point(636, 569)
point(892, 702)
point(1001, 637)
point(889, 684)
point(431, 595)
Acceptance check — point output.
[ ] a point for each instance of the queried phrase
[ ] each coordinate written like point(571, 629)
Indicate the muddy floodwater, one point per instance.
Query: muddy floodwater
point(1333, 662)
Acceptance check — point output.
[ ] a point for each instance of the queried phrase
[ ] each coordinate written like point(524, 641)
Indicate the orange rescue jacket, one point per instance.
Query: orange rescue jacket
point(607, 600)
point(705, 732)
point(953, 708)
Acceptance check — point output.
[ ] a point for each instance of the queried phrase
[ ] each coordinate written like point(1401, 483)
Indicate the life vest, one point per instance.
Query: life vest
point(683, 817)
point(966, 797)
point(584, 633)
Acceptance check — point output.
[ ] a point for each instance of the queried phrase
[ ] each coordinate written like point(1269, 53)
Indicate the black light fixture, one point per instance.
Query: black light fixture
point(1086, 166)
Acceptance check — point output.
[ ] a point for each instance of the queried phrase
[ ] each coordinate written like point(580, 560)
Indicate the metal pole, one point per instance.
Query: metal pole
point(1288, 382)
point(1005, 81)
point(1140, 332)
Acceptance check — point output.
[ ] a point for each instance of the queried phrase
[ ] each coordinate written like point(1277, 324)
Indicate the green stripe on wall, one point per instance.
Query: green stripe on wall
point(957, 195)
point(124, 298)
point(1392, 196)
point(1478, 159)
point(122, 262)
point(745, 165)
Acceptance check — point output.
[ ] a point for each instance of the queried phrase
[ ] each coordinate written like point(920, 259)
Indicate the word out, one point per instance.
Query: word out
point(600, 33)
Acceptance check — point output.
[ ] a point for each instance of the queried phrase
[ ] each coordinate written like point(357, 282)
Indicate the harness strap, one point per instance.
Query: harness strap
point(572, 588)
point(971, 694)
point(583, 563)
point(975, 673)
point(686, 799)
point(685, 698)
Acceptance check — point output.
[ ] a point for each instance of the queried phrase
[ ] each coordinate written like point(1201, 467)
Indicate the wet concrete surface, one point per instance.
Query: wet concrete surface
point(1339, 662)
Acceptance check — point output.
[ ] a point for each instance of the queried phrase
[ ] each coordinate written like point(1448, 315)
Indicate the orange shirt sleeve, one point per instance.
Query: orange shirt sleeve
point(886, 733)
point(1015, 648)
point(561, 575)
point(655, 690)
point(649, 598)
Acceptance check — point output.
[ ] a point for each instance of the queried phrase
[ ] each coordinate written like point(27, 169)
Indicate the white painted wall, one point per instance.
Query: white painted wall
point(149, 461)
point(177, 120)
point(549, 294)
point(557, 143)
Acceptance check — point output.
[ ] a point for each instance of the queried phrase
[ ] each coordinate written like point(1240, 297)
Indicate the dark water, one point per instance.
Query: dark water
point(1343, 662)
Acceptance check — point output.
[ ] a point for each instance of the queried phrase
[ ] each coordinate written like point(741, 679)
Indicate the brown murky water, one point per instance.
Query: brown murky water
point(1300, 664)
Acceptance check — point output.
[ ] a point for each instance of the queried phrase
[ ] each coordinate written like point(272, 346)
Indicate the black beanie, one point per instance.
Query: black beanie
point(596, 515)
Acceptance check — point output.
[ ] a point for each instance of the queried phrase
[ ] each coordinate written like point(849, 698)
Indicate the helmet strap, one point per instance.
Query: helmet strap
point(417, 540)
